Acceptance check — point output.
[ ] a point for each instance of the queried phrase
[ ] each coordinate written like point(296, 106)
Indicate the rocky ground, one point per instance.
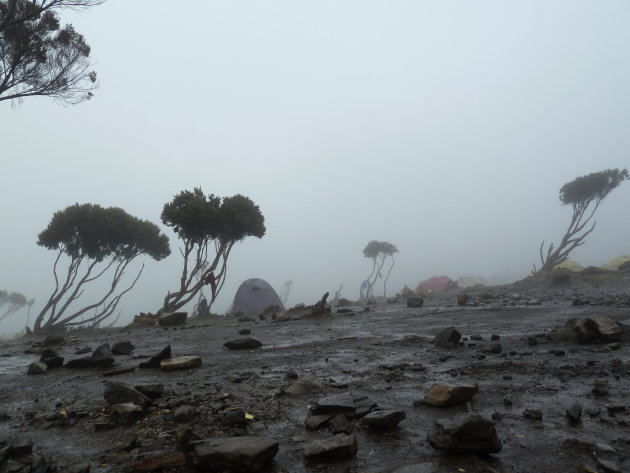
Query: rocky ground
point(349, 391)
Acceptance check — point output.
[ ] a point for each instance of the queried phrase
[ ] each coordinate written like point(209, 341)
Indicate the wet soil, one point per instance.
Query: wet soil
point(385, 353)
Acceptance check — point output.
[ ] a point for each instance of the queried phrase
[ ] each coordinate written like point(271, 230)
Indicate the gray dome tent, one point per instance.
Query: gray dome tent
point(253, 296)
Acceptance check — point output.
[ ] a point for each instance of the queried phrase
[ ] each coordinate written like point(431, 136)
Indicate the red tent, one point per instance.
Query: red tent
point(435, 284)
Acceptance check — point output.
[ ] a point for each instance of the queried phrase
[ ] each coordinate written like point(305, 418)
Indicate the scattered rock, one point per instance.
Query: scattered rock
point(168, 319)
point(184, 413)
point(234, 454)
point(532, 341)
point(447, 338)
point(600, 387)
point(314, 422)
point(413, 302)
point(534, 414)
point(589, 329)
point(118, 393)
point(156, 360)
point(385, 419)
point(244, 331)
point(608, 466)
point(336, 404)
point(303, 386)
point(53, 340)
point(126, 413)
point(102, 357)
point(247, 343)
point(152, 391)
point(340, 424)
point(338, 447)
point(494, 348)
point(180, 363)
point(465, 433)
point(160, 462)
point(122, 348)
point(37, 367)
point(574, 414)
point(82, 351)
point(463, 299)
point(444, 395)
point(79, 363)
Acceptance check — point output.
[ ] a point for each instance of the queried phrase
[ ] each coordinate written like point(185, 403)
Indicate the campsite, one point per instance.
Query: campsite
point(524, 382)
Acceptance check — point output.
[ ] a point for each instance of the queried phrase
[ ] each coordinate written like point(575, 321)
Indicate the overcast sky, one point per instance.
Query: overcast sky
point(444, 127)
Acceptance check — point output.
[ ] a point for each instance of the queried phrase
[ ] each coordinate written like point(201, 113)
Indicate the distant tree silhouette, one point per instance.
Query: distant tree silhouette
point(206, 224)
point(95, 239)
point(584, 194)
point(14, 302)
point(39, 57)
point(378, 252)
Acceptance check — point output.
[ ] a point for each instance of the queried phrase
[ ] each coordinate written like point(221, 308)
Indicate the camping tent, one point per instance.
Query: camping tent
point(471, 280)
point(435, 284)
point(253, 296)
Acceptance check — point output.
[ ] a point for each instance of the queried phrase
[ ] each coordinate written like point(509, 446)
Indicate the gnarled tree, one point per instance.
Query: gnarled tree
point(584, 194)
point(378, 252)
point(208, 226)
point(13, 301)
point(39, 57)
point(97, 241)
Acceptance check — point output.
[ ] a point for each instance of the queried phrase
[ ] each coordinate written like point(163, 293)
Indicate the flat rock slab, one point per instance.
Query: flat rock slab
point(168, 319)
point(234, 454)
point(385, 419)
point(122, 348)
point(303, 386)
point(180, 363)
point(156, 360)
point(349, 404)
point(315, 422)
point(338, 447)
point(465, 433)
point(445, 395)
point(37, 367)
point(151, 390)
point(246, 343)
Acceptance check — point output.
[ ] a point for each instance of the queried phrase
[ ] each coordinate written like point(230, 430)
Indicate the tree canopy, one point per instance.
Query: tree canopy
point(584, 194)
point(202, 221)
point(14, 302)
point(91, 235)
point(378, 252)
point(39, 56)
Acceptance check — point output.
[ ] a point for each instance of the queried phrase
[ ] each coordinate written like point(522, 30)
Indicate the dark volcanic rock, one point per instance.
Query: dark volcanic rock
point(413, 302)
point(246, 343)
point(574, 414)
point(585, 330)
point(79, 363)
point(445, 395)
point(235, 454)
point(126, 413)
point(118, 393)
point(168, 319)
point(336, 404)
point(384, 420)
point(340, 424)
point(447, 338)
point(155, 360)
point(102, 356)
point(465, 433)
point(37, 367)
point(316, 421)
point(150, 390)
point(54, 340)
point(338, 447)
point(122, 348)
point(534, 414)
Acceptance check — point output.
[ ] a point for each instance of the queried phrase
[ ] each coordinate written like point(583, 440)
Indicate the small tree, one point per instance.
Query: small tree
point(14, 302)
point(207, 224)
point(96, 239)
point(584, 194)
point(40, 57)
point(378, 252)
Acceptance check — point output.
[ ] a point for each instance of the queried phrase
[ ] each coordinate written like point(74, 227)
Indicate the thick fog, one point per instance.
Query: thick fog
point(445, 127)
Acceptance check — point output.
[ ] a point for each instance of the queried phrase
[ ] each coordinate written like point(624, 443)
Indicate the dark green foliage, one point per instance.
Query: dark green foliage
point(201, 220)
point(95, 239)
point(88, 230)
point(378, 252)
point(14, 302)
point(39, 57)
point(584, 194)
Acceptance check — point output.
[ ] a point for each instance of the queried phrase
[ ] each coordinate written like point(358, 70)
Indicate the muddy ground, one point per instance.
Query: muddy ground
point(385, 353)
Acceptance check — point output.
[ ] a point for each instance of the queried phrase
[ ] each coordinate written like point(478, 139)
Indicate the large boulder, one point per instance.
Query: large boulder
point(465, 433)
point(588, 329)
point(118, 393)
point(167, 319)
point(233, 454)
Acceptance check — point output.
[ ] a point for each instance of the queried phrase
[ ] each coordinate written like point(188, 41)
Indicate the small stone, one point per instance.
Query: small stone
point(534, 414)
point(315, 422)
point(600, 387)
point(465, 433)
point(79, 363)
point(83, 350)
point(494, 337)
point(152, 391)
point(303, 386)
point(54, 340)
point(447, 338)
point(338, 447)
point(247, 343)
point(444, 395)
point(180, 363)
point(122, 348)
point(494, 348)
point(233, 454)
point(37, 367)
point(102, 356)
point(126, 413)
point(415, 302)
point(608, 466)
point(557, 352)
point(385, 419)
point(574, 414)
point(340, 424)
point(184, 413)
point(532, 341)
point(118, 393)
point(156, 360)
point(244, 331)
